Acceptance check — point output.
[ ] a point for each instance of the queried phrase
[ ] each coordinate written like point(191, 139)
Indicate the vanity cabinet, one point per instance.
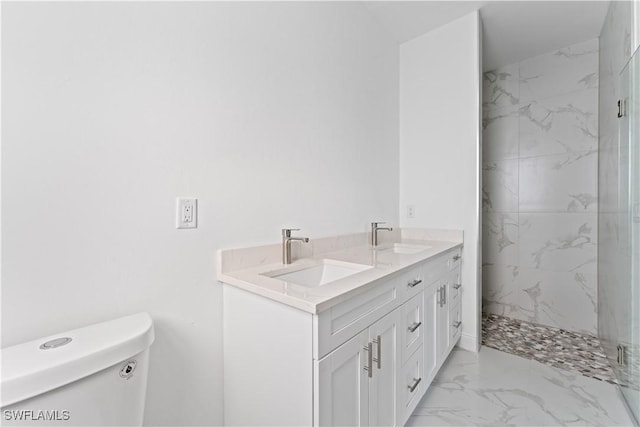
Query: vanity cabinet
point(367, 360)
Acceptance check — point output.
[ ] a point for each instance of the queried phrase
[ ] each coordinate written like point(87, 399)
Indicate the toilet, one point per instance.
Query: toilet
point(91, 376)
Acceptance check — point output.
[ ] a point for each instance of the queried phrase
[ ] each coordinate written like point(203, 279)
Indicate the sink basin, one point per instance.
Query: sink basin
point(405, 248)
point(326, 271)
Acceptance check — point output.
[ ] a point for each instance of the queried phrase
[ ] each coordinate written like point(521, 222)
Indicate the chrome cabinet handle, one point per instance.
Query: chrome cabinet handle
point(444, 295)
point(412, 387)
point(378, 359)
point(441, 295)
point(414, 283)
point(415, 326)
point(456, 257)
point(457, 324)
point(369, 349)
point(457, 286)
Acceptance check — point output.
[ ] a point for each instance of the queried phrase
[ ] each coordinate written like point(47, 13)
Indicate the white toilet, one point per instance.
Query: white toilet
point(96, 375)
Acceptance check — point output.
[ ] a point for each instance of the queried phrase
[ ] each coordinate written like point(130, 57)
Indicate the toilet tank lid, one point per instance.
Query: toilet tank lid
point(29, 370)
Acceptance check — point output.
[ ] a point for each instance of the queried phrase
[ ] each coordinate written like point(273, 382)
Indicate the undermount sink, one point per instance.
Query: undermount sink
point(405, 248)
point(326, 271)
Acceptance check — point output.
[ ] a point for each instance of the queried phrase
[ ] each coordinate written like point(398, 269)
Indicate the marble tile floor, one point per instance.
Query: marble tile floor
point(493, 388)
point(555, 347)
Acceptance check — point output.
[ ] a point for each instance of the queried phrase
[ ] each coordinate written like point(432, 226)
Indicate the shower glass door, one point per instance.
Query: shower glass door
point(630, 139)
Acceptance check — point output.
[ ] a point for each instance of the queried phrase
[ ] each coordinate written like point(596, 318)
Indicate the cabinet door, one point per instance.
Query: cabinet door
point(386, 360)
point(442, 322)
point(343, 384)
point(430, 325)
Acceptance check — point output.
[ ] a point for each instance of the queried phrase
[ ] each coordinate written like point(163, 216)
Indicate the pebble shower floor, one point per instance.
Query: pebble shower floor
point(555, 347)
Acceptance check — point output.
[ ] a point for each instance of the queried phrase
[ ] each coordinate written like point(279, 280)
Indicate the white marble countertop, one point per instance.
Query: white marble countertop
point(383, 263)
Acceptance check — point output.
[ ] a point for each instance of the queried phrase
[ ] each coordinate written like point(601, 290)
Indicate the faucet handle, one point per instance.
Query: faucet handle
point(286, 232)
point(378, 223)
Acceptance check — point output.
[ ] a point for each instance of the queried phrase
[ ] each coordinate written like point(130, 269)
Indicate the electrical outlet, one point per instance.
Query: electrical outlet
point(186, 212)
point(411, 211)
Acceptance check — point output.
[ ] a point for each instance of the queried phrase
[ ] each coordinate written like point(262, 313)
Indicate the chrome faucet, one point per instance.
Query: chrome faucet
point(286, 243)
point(374, 232)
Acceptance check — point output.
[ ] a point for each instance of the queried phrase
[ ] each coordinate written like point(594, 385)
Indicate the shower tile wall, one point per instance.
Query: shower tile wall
point(540, 171)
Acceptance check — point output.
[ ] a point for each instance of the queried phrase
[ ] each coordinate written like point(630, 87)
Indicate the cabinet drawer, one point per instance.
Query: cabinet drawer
point(454, 258)
point(411, 283)
point(455, 286)
point(341, 322)
point(436, 268)
point(412, 385)
point(456, 324)
point(412, 326)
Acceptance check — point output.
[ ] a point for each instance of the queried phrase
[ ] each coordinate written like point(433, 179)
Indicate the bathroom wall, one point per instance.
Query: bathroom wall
point(271, 114)
point(540, 174)
point(440, 87)
point(614, 290)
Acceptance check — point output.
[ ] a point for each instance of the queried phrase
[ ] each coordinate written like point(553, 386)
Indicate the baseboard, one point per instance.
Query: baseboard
point(469, 342)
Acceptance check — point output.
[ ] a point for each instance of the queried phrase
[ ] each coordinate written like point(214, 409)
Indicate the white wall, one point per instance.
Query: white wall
point(440, 145)
point(272, 114)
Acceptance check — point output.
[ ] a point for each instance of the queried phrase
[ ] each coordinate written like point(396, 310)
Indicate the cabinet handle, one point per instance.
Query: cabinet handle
point(415, 326)
point(416, 381)
point(414, 283)
point(378, 359)
point(457, 324)
point(441, 292)
point(369, 349)
point(457, 286)
point(444, 295)
point(456, 257)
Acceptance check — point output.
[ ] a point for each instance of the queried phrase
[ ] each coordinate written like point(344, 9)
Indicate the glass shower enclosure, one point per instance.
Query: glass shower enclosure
point(628, 361)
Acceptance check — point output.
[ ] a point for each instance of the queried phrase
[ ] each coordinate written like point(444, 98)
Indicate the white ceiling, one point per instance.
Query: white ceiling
point(513, 30)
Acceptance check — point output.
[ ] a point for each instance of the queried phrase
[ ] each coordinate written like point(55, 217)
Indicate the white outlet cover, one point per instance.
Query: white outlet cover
point(186, 212)
point(411, 211)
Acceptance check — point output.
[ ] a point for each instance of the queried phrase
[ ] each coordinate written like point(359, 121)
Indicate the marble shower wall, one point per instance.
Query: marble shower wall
point(540, 186)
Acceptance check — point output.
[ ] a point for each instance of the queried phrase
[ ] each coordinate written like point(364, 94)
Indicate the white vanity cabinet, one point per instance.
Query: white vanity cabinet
point(367, 360)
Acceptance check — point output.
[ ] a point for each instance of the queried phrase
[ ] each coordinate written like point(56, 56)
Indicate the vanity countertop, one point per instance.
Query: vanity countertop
point(383, 262)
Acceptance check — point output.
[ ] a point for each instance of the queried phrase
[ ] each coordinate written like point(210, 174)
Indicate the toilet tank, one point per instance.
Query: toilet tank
point(92, 376)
